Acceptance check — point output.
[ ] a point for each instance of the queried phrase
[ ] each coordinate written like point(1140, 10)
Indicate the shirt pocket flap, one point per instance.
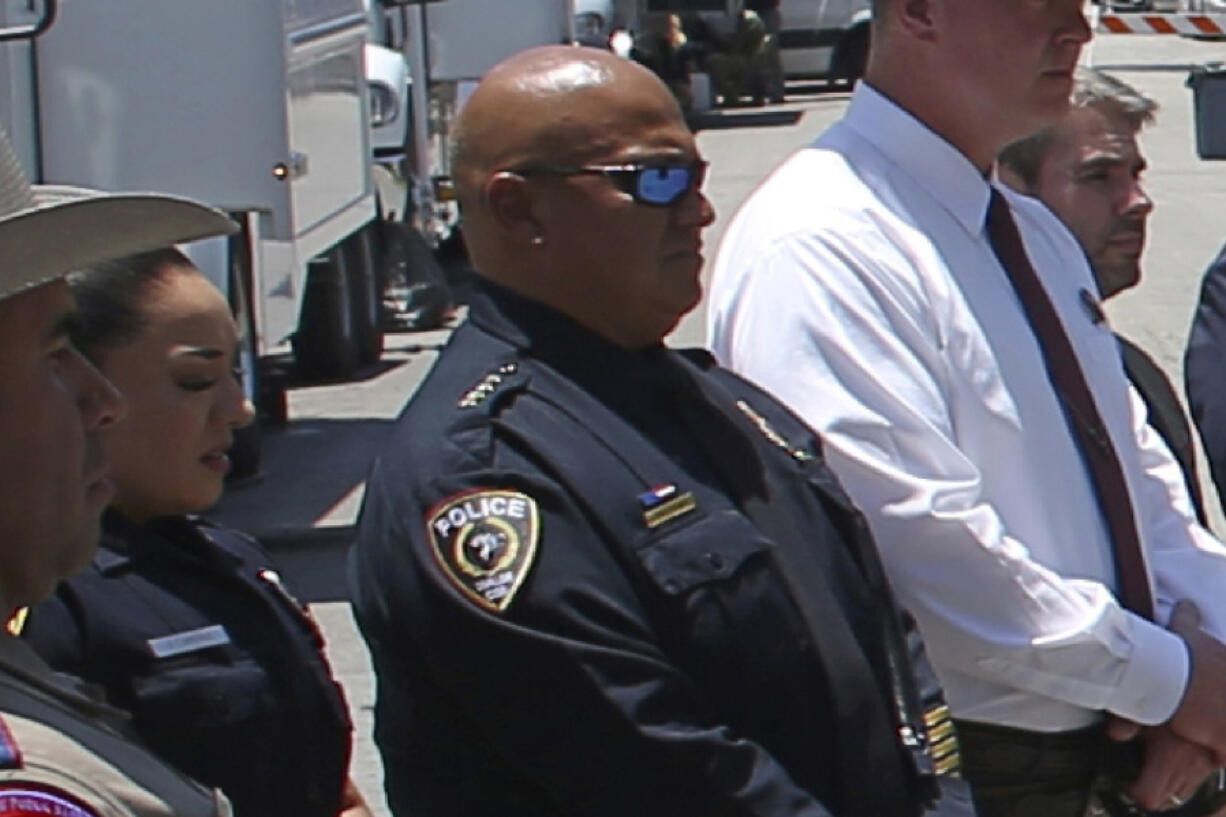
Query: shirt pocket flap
point(708, 549)
point(203, 694)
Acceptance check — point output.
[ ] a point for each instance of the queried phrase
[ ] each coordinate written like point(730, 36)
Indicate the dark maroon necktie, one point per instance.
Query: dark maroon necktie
point(1064, 371)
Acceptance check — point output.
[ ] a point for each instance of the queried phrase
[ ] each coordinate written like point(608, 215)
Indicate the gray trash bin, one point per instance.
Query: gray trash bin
point(1208, 84)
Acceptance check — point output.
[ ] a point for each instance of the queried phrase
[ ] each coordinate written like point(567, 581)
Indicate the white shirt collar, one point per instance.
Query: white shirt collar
point(935, 165)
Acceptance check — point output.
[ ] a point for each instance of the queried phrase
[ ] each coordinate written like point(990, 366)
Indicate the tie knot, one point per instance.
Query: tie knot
point(998, 208)
point(1004, 237)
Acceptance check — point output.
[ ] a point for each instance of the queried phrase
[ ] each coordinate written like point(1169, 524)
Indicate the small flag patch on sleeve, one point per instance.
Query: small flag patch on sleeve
point(665, 502)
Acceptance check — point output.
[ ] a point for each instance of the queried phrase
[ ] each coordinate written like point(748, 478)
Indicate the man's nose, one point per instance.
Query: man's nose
point(694, 210)
point(1078, 27)
point(99, 402)
point(1138, 202)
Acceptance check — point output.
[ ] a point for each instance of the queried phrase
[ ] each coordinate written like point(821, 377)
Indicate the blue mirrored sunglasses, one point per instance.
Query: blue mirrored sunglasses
point(657, 185)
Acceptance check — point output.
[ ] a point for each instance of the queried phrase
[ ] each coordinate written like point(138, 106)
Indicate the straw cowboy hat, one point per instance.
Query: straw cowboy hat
point(48, 231)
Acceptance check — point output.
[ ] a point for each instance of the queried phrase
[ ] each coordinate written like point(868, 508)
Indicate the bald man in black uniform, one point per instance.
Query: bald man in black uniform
point(601, 577)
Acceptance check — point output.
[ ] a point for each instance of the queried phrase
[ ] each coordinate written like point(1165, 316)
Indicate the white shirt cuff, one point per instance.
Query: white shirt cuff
point(1154, 681)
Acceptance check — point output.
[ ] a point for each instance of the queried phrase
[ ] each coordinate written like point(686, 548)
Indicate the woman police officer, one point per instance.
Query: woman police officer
point(184, 623)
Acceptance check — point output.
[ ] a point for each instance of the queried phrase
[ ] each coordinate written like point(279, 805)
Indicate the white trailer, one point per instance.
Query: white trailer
point(259, 108)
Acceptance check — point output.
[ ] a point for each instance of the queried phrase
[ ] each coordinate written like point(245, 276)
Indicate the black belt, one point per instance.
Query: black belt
point(1004, 760)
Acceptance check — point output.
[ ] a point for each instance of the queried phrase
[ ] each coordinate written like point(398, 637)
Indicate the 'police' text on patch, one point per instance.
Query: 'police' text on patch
point(485, 541)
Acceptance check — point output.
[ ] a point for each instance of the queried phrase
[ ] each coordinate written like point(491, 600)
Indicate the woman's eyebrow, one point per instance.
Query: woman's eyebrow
point(206, 352)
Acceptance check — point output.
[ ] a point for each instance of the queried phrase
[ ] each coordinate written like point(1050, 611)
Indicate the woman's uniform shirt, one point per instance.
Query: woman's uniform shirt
point(64, 752)
point(187, 626)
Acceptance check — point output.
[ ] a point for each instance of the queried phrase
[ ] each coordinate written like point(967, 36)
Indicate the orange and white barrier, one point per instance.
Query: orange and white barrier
point(1195, 24)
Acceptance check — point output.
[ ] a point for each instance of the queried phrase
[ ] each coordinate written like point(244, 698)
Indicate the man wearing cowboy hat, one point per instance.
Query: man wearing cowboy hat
point(63, 751)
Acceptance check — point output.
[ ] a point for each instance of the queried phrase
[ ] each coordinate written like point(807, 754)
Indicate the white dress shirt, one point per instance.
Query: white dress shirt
point(858, 284)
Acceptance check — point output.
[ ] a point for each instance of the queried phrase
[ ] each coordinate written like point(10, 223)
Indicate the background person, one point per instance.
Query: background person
point(577, 556)
point(1204, 371)
point(772, 63)
point(742, 68)
point(1087, 168)
point(184, 624)
point(63, 751)
point(935, 329)
point(665, 49)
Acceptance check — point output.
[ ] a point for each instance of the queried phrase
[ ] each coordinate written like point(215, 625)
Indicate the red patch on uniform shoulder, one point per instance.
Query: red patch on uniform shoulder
point(33, 800)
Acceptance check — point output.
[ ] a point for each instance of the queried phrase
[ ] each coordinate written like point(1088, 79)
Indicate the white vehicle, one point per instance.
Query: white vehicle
point(827, 38)
point(448, 46)
point(259, 108)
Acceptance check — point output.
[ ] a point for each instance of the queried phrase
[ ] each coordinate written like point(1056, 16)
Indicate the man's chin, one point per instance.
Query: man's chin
point(1117, 275)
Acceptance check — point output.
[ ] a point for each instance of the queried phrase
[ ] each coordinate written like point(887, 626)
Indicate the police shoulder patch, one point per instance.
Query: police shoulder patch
point(29, 800)
point(485, 541)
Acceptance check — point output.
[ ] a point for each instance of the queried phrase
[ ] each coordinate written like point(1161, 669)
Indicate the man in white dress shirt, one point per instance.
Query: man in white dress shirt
point(859, 284)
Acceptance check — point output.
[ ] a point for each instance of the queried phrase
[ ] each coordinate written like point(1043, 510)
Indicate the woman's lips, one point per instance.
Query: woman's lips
point(217, 460)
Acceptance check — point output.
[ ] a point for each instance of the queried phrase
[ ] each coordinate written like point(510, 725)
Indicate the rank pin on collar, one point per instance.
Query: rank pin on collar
point(1092, 306)
point(773, 437)
point(665, 502)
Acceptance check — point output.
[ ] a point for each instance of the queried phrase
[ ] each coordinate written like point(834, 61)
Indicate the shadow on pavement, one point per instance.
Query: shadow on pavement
point(309, 468)
point(315, 562)
point(817, 87)
point(1148, 67)
point(733, 118)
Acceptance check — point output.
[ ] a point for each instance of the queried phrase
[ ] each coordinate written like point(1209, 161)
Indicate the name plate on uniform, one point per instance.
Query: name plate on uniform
point(168, 646)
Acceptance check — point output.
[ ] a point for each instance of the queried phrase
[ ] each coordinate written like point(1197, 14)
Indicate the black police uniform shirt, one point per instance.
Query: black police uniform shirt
point(568, 578)
point(186, 626)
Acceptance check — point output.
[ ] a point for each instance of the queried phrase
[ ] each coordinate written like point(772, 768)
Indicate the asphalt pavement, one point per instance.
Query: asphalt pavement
point(305, 505)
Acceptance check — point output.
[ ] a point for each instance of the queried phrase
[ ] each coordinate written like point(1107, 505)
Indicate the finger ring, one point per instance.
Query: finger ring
point(1175, 800)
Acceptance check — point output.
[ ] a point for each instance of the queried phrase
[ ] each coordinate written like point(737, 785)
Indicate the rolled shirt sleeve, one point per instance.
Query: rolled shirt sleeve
point(1186, 560)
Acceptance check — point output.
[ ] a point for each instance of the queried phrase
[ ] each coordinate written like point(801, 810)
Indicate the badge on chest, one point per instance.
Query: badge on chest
point(485, 542)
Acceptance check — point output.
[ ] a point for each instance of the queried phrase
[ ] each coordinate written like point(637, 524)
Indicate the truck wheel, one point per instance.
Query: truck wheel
point(326, 343)
point(363, 264)
point(418, 286)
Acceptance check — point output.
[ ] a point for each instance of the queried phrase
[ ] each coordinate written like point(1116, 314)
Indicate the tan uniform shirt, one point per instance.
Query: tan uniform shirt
point(69, 744)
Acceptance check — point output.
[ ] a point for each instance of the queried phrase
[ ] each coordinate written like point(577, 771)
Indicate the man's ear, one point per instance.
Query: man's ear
point(511, 201)
point(919, 18)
